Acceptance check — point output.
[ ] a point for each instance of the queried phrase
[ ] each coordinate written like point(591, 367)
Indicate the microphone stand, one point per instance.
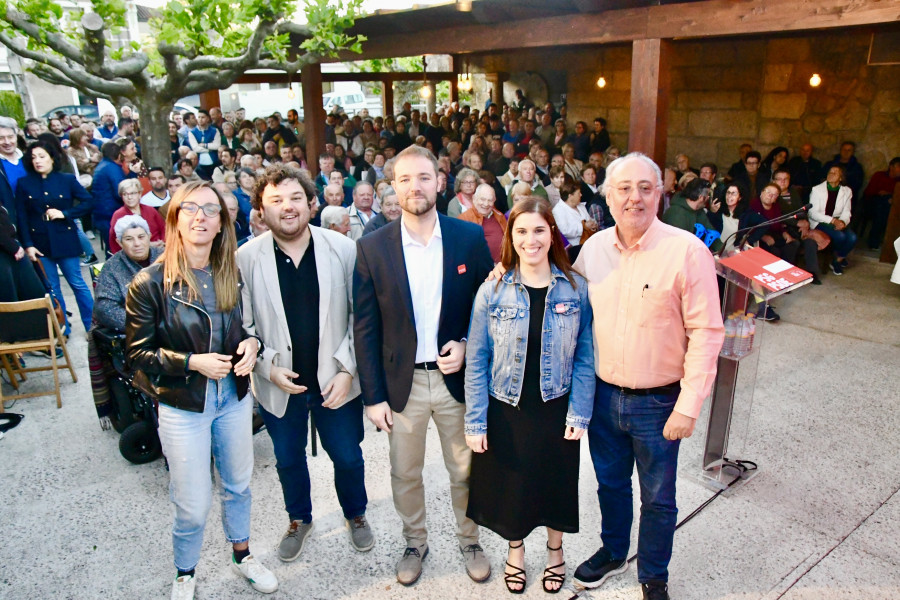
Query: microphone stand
point(749, 230)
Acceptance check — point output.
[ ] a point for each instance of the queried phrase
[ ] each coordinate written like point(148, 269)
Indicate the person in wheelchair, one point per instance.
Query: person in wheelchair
point(106, 354)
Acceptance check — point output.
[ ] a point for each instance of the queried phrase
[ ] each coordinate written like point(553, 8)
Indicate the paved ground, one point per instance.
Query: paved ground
point(819, 522)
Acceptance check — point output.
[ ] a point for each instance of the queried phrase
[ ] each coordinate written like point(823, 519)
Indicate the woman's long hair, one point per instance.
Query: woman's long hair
point(557, 254)
point(221, 257)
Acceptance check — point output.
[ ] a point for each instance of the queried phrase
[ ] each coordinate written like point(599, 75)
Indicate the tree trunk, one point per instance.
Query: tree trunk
point(156, 149)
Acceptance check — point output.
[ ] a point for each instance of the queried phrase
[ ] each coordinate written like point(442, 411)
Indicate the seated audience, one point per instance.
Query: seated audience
point(390, 210)
point(686, 212)
point(336, 218)
point(830, 213)
point(132, 234)
point(572, 218)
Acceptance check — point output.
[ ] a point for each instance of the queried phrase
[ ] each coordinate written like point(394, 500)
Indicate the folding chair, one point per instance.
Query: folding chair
point(28, 326)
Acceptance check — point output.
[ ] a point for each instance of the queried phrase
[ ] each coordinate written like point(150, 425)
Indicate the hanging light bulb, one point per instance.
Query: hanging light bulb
point(601, 82)
point(815, 80)
point(291, 93)
point(424, 91)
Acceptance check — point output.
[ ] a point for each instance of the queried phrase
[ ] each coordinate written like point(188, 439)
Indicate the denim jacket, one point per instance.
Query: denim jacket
point(497, 343)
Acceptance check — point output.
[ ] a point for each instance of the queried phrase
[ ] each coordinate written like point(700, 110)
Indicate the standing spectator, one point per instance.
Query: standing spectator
point(657, 335)
point(85, 154)
point(877, 202)
point(308, 365)
point(226, 164)
point(754, 177)
point(108, 129)
point(528, 174)
point(739, 168)
point(524, 417)
point(183, 359)
point(46, 213)
point(805, 170)
point(18, 279)
point(159, 193)
point(485, 215)
point(831, 212)
point(412, 293)
point(11, 166)
point(581, 142)
point(570, 213)
point(361, 211)
point(390, 211)
point(205, 140)
point(466, 183)
point(105, 187)
point(572, 164)
point(600, 136)
point(336, 218)
point(776, 159)
point(130, 190)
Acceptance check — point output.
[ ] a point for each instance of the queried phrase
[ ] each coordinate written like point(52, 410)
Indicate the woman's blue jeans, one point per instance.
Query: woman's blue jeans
point(224, 428)
point(842, 242)
point(626, 429)
point(341, 431)
point(71, 269)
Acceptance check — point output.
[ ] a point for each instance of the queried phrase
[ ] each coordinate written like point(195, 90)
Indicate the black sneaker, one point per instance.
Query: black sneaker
point(90, 260)
point(768, 315)
point(844, 263)
point(598, 568)
point(816, 280)
point(655, 590)
point(836, 268)
point(46, 354)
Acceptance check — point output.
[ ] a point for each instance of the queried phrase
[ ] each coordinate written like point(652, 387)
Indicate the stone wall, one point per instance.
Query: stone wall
point(727, 92)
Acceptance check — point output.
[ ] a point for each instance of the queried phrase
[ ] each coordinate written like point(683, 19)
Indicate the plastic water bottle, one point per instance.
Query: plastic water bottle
point(752, 322)
point(742, 338)
point(728, 346)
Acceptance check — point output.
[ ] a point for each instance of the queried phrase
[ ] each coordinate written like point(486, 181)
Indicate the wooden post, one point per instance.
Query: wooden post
point(649, 98)
point(387, 98)
point(454, 79)
point(495, 83)
point(313, 115)
point(210, 99)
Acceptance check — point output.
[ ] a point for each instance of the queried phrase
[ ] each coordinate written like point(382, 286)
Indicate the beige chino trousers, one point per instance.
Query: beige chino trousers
point(430, 399)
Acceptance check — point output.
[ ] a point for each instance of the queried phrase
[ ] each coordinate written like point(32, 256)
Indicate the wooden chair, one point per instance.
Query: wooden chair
point(28, 326)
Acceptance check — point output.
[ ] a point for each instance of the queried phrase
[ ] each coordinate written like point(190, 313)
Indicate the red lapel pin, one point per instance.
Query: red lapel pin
point(461, 269)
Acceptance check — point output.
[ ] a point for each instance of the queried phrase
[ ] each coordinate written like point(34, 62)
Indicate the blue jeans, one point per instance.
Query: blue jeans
point(224, 428)
point(626, 429)
point(86, 246)
point(842, 242)
point(341, 432)
point(71, 269)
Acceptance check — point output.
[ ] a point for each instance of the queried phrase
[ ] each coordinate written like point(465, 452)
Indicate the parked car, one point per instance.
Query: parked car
point(88, 111)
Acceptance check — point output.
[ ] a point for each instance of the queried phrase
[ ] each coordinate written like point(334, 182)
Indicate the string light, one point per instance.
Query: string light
point(601, 82)
point(815, 80)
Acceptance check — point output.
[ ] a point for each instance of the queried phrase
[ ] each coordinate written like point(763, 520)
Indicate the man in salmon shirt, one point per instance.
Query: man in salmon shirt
point(657, 335)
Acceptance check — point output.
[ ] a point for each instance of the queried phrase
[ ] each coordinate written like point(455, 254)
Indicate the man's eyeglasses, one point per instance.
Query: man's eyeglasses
point(210, 210)
point(645, 191)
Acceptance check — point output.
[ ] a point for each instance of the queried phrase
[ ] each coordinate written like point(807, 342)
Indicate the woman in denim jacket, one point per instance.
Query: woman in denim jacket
point(529, 392)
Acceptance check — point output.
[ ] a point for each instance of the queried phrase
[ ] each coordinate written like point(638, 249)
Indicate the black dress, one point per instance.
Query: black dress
point(528, 477)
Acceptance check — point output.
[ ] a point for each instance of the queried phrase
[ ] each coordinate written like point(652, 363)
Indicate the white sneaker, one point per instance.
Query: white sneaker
point(183, 587)
point(260, 578)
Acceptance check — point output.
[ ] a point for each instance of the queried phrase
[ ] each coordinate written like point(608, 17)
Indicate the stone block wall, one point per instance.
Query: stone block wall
point(728, 92)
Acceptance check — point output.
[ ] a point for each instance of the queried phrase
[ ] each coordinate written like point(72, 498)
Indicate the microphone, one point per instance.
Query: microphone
point(749, 230)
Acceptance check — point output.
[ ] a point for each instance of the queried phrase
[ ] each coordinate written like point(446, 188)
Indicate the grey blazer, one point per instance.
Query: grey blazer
point(264, 312)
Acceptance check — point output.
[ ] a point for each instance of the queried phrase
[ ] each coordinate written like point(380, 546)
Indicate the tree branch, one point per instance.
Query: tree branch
point(245, 61)
point(198, 82)
point(82, 78)
point(53, 76)
point(54, 40)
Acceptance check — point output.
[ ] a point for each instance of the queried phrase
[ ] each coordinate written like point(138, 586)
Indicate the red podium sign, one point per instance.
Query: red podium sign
point(772, 272)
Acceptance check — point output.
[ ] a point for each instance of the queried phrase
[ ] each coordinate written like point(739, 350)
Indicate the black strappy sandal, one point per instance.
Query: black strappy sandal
point(552, 577)
point(515, 578)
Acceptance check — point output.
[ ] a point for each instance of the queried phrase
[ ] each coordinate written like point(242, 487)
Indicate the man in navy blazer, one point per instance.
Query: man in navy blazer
point(413, 288)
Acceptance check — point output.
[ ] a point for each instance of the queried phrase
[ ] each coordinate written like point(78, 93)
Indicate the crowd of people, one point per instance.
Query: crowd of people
point(432, 270)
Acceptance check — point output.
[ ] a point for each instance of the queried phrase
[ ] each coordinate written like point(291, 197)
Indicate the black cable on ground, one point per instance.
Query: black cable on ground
point(743, 466)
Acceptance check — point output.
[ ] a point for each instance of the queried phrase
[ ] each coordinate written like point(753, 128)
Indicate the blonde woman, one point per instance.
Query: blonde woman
point(187, 345)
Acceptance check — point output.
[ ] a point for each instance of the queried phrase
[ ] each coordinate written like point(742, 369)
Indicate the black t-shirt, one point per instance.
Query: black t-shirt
point(300, 296)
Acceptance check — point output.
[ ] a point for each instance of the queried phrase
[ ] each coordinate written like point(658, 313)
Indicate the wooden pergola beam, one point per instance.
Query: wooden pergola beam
point(712, 18)
point(275, 77)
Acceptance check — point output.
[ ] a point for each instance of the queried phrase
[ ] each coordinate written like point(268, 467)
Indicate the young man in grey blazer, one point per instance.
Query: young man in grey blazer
point(297, 300)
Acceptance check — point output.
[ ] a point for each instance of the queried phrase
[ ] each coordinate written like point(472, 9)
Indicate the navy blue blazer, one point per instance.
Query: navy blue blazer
point(384, 327)
point(34, 195)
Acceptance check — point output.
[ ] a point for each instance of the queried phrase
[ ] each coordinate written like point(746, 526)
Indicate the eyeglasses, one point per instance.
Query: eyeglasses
point(645, 191)
point(210, 210)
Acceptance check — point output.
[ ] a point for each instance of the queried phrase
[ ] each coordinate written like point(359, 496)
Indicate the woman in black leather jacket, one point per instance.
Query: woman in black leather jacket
point(184, 337)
